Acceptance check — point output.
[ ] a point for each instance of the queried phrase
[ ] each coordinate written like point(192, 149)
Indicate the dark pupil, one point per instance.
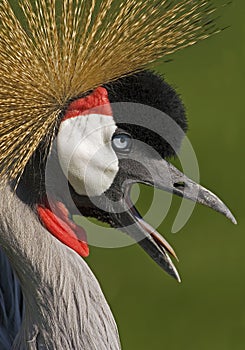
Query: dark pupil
point(122, 139)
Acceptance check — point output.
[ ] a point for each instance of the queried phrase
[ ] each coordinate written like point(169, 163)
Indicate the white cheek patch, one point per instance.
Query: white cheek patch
point(85, 153)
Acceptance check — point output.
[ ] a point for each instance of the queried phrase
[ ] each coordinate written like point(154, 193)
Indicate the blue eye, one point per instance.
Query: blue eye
point(122, 143)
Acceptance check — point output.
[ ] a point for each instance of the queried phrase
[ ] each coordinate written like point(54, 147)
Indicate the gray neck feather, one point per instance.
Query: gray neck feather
point(64, 305)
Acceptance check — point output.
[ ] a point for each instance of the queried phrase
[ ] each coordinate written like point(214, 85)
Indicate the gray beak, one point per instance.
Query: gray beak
point(167, 177)
point(164, 176)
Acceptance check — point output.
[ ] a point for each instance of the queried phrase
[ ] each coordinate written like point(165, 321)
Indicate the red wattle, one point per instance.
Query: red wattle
point(59, 225)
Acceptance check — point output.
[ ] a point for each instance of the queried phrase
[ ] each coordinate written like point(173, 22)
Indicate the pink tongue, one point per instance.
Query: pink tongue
point(59, 225)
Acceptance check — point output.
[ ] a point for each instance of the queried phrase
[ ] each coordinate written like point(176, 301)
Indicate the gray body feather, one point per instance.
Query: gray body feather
point(64, 307)
point(11, 303)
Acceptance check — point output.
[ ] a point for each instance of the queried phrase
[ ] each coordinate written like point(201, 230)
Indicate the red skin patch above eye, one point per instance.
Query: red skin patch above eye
point(96, 103)
point(58, 223)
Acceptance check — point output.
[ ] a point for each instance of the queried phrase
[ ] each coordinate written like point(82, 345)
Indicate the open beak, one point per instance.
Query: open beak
point(116, 208)
point(164, 176)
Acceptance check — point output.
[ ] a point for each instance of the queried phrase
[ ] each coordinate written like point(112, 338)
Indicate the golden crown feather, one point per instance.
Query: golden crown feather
point(64, 49)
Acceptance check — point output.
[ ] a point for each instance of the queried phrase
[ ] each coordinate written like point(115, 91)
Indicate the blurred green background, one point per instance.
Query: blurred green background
point(207, 310)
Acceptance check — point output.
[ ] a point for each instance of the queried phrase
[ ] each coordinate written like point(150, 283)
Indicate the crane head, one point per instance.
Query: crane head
point(120, 134)
point(67, 86)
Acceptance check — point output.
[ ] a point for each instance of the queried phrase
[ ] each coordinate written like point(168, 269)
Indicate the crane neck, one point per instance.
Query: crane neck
point(64, 305)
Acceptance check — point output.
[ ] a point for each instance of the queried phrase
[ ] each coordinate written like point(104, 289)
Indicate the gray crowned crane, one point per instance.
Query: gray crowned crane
point(72, 74)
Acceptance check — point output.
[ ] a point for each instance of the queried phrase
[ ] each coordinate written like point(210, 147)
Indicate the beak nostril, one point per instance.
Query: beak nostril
point(180, 185)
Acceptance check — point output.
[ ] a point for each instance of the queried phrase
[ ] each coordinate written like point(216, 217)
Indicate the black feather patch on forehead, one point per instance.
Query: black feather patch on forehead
point(149, 89)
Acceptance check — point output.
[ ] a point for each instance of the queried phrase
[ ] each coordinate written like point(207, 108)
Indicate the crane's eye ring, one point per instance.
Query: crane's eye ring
point(121, 142)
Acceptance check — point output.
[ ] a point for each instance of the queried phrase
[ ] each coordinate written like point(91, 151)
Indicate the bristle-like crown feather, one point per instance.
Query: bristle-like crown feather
point(66, 48)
